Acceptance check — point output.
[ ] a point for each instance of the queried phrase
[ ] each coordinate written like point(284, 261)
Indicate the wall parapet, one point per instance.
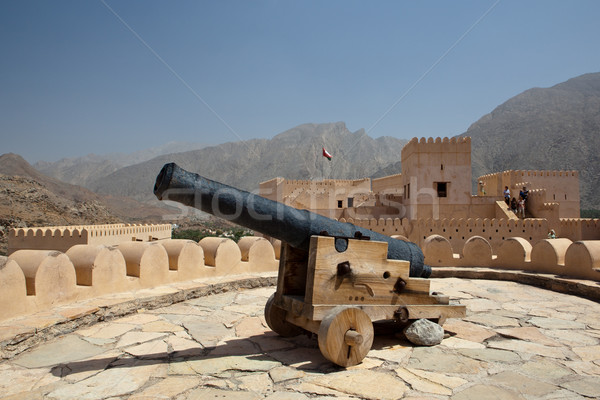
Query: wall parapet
point(454, 144)
point(575, 260)
point(37, 280)
point(64, 237)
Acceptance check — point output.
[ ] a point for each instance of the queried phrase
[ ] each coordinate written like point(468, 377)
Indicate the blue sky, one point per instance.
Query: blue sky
point(93, 76)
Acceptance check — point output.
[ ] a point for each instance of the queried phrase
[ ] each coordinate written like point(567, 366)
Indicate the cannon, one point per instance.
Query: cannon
point(334, 278)
point(288, 224)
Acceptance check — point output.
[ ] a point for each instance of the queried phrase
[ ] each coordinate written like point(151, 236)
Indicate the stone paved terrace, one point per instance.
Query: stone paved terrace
point(517, 342)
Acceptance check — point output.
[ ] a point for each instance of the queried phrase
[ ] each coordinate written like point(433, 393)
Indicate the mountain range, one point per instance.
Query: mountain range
point(85, 170)
point(541, 128)
point(294, 154)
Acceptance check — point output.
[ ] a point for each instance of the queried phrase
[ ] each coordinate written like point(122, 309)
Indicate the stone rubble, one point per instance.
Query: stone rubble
point(517, 342)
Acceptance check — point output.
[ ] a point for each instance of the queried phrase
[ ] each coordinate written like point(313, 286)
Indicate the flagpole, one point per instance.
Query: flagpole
point(322, 168)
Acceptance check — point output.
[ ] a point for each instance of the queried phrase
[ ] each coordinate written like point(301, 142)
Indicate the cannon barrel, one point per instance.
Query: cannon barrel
point(269, 217)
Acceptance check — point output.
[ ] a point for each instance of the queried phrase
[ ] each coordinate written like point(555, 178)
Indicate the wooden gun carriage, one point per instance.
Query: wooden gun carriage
point(338, 295)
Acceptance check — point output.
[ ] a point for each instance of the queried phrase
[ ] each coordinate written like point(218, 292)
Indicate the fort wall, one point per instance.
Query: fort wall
point(319, 196)
point(388, 184)
point(37, 280)
point(62, 238)
point(459, 230)
point(559, 187)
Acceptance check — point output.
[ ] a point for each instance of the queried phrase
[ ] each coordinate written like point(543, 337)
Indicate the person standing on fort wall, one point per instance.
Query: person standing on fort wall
point(506, 195)
point(513, 205)
point(521, 207)
point(523, 193)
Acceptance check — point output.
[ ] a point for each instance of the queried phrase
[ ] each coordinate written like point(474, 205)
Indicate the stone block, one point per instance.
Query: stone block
point(101, 267)
point(13, 290)
point(186, 257)
point(438, 251)
point(223, 254)
point(259, 254)
point(477, 252)
point(548, 255)
point(582, 260)
point(49, 276)
point(513, 253)
point(147, 261)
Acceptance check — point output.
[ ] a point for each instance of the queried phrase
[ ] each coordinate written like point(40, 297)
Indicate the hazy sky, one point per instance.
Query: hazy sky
point(94, 76)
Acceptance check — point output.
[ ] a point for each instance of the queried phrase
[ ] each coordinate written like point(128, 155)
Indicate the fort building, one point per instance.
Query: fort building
point(433, 195)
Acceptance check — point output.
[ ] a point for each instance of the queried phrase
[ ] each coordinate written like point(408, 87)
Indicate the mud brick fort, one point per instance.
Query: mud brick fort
point(429, 203)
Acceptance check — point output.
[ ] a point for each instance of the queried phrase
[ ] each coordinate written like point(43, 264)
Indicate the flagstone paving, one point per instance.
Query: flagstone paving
point(517, 342)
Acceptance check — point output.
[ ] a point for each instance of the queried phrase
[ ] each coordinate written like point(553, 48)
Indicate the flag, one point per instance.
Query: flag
point(326, 154)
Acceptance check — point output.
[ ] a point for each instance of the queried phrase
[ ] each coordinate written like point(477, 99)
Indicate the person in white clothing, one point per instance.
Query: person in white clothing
point(521, 207)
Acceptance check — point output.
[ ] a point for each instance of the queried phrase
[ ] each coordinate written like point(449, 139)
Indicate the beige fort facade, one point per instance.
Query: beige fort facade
point(433, 196)
point(430, 203)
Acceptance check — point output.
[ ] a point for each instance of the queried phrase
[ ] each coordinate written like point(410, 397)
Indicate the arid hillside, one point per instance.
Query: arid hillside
point(29, 198)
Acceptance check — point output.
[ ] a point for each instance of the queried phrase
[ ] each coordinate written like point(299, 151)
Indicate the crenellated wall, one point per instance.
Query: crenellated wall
point(37, 280)
point(458, 231)
point(437, 145)
point(579, 228)
point(62, 238)
point(558, 187)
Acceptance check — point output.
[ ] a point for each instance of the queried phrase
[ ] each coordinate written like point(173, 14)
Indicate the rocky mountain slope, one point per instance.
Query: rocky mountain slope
point(29, 198)
point(545, 128)
point(294, 154)
point(84, 170)
point(26, 202)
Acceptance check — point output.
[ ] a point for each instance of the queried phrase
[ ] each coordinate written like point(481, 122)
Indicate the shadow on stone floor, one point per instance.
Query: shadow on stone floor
point(299, 352)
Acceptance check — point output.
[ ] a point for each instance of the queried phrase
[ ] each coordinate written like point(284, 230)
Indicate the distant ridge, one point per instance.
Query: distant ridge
point(64, 203)
point(293, 154)
point(556, 128)
point(83, 170)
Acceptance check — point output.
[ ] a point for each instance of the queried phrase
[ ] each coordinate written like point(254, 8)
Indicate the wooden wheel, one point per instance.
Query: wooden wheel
point(275, 317)
point(345, 335)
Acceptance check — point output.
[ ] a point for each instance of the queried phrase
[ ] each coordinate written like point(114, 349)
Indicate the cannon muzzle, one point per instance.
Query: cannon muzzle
point(269, 217)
